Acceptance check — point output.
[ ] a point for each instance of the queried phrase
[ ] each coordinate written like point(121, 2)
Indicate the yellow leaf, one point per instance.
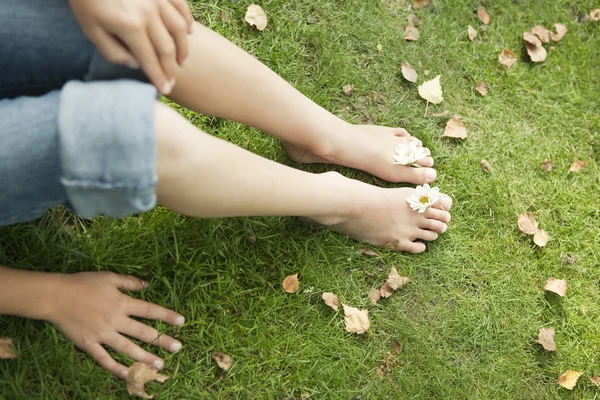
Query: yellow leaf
point(595, 14)
point(223, 360)
point(356, 321)
point(139, 374)
point(395, 281)
point(577, 166)
point(558, 286)
point(546, 165)
point(507, 58)
point(542, 32)
point(6, 348)
point(482, 88)
point(256, 16)
point(568, 380)
point(546, 339)
point(455, 129)
point(347, 89)
point(595, 380)
point(411, 33)
point(408, 72)
point(561, 31)
point(485, 165)
point(540, 237)
point(536, 51)
point(471, 33)
point(291, 284)
point(421, 3)
point(527, 223)
point(483, 15)
point(432, 91)
point(375, 296)
point(331, 300)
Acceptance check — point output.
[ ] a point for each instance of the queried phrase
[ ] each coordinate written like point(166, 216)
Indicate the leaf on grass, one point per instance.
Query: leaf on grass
point(507, 58)
point(386, 290)
point(411, 33)
point(471, 33)
point(421, 3)
point(413, 19)
point(595, 380)
point(432, 91)
point(595, 14)
point(225, 17)
point(396, 346)
point(546, 339)
point(568, 380)
point(546, 165)
point(440, 114)
point(527, 223)
point(368, 252)
point(540, 237)
point(483, 15)
point(394, 245)
point(256, 16)
point(347, 90)
point(455, 128)
point(482, 88)
point(558, 286)
point(379, 47)
point(386, 367)
point(536, 51)
point(356, 321)
point(408, 72)
point(331, 300)
point(6, 348)
point(569, 259)
point(577, 166)
point(395, 281)
point(375, 296)
point(223, 360)
point(542, 32)
point(139, 374)
point(291, 284)
point(485, 165)
point(561, 31)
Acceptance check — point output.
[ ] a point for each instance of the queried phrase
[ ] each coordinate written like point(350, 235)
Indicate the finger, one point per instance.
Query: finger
point(435, 214)
point(166, 51)
point(177, 27)
point(128, 282)
point(125, 346)
point(143, 309)
point(145, 333)
point(433, 225)
point(140, 45)
point(101, 356)
point(184, 10)
point(113, 50)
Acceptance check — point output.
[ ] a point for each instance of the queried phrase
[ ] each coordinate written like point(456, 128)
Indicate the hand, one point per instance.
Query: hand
point(91, 311)
point(147, 33)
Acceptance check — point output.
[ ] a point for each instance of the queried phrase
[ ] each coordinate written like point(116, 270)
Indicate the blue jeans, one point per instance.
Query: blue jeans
point(74, 129)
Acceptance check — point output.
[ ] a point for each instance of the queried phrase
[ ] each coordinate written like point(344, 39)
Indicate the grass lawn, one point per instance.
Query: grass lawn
point(469, 319)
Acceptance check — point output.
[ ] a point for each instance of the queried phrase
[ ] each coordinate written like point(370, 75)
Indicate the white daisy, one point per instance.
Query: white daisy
point(423, 197)
point(409, 152)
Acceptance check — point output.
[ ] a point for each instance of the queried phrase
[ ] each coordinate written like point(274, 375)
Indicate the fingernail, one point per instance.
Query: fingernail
point(124, 374)
point(446, 202)
point(158, 364)
point(133, 64)
point(430, 175)
point(166, 88)
point(180, 320)
point(175, 347)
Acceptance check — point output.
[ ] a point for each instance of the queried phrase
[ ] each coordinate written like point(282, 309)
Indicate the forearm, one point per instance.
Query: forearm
point(25, 293)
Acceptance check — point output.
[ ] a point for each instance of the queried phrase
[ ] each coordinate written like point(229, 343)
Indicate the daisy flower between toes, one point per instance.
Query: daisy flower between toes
point(409, 153)
point(423, 197)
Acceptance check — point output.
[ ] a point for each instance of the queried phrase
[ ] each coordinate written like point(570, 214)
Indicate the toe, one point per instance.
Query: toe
point(414, 247)
point(416, 176)
point(445, 203)
point(426, 162)
point(434, 225)
point(400, 132)
point(439, 215)
point(427, 235)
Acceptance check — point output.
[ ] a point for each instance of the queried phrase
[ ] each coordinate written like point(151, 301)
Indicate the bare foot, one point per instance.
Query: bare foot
point(369, 148)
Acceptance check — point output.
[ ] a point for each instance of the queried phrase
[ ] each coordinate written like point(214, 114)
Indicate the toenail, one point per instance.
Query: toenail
point(430, 175)
point(124, 374)
point(446, 202)
point(175, 347)
point(158, 364)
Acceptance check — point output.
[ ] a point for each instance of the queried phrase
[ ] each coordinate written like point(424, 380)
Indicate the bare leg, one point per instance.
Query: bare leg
point(221, 79)
point(204, 176)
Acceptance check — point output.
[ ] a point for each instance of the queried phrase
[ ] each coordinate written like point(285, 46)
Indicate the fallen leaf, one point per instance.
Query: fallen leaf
point(225, 17)
point(546, 165)
point(568, 380)
point(347, 90)
point(368, 252)
point(546, 339)
point(379, 47)
point(595, 380)
point(139, 374)
point(256, 16)
point(471, 33)
point(408, 72)
point(394, 245)
point(507, 58)
point(421, 3)
point(413, 19)
point(356, 321)
point(595, 14)
point(396, 346)
point(290, 284)
point(251, 239)
point(411, 33)
point(223, 360)
point(432, 91)
point(440, 114)
point(540, 237)
point(482, 88)
point(395, 281)
point(386, 290)
point(386, 367)
point(542, 32)
point(331, 300)
point(6, 348)
point(536, 51)
point(527, 223)
point(455, 129)
point(569, 259)
point(577, 166)
point(483, 15)
point(485, 165)
point(558, 286)
point(561, 31)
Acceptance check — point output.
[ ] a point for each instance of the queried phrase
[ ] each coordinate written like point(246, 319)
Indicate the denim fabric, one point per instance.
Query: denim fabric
point(74, 129)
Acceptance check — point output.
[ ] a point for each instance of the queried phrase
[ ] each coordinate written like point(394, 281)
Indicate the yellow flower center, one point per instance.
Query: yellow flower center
point(424, 199)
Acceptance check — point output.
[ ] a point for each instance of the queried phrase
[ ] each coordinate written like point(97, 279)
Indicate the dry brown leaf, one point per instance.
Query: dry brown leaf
point(379, 47)
point(375, 296)
point(568, 380)
point(386, 367)
point(540, 237)
point(6, 348)
point(139, 374)
point(356, 321)
point(223, 360)
point(291, 284)
point(482, 88)
point(225, 17)
point(569, 258)
point(411, 33)
point(595, 14)
point(546, 339)
point(595, 380)
point(408, 72)
point(256, 16)
point(483, 15)
point(395, 281)
point(331, 300)
point(485, 165)
point(368, 252)
point(455, 129)
point(542, 32)
point(413, 19)
point(347, 90)
point(507, 58)
point(527, 223)
point(396, 346)
point(546, 165)
point(394, 245)
point(386, 290)
point(558, 286)
point(577, 166)
point(536, 51)
point(561, 31)
point(471, 33)
point(421, 3)
point(432, 91)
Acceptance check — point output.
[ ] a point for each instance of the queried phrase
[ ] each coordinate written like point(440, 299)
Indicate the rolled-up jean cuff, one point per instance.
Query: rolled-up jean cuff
point(107, 147)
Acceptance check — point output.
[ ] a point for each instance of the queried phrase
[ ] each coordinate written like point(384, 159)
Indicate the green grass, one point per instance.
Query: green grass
point(468, 320)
